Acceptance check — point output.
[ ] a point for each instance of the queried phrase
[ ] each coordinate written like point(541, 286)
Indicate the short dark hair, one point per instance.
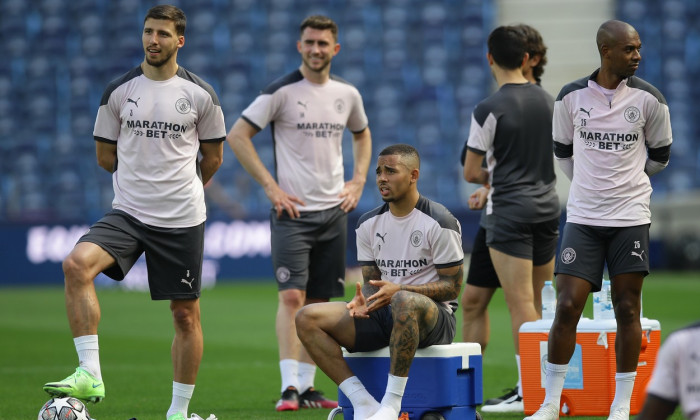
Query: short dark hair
point(535, 46)
point(507, 46)
point(403, 150)
point(320, 22)
point(168, 12)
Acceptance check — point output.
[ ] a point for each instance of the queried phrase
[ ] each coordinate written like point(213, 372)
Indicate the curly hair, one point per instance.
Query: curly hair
point(535, 46)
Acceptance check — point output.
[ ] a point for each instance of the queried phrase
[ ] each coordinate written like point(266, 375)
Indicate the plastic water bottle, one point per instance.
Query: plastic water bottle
point(549, 300)
point(602, 303)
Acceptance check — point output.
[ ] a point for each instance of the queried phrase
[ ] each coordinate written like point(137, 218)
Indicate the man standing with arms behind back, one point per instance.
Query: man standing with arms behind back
point(308, 110)
point(612, 131)
point(511, 129)
point(152, 123)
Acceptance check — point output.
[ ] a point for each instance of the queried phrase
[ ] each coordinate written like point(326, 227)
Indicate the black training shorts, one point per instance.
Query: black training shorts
point(173, 255)
point(374, 333)
point(481, 271)
point(585, 250)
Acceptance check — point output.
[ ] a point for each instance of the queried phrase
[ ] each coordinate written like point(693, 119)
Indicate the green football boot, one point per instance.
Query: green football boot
point(178, 416)
point(81, 385)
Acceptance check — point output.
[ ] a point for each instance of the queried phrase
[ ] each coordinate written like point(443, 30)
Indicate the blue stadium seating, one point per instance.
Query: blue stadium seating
point(418, 63)
point(58, 56)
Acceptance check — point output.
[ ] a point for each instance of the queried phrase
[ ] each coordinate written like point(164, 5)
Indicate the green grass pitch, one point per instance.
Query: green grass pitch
point(239, 376)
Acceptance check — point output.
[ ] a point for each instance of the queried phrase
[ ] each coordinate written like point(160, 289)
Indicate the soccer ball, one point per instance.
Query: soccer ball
point(68, 408)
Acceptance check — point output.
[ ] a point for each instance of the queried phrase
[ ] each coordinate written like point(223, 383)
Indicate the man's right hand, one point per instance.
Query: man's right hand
point(282, 201)
point(358, 304)
point(477, 200)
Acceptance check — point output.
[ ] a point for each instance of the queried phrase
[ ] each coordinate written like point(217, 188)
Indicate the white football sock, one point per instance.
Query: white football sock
point(395, 387)
point(384, 413)
point(289, 368)
point(363, 403)
point(89, 354)
point(306, 374)
point(624, 384)
point(554, 383)
point(519, 385)
point(182, 394)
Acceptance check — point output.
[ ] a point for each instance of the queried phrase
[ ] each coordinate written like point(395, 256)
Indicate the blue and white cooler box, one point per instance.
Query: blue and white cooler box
point(445, 379)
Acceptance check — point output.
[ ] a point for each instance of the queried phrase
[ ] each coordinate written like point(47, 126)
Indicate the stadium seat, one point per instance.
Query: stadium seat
point(417, 63)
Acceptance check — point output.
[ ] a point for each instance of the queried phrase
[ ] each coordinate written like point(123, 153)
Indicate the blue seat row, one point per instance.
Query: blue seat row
point(418, 63)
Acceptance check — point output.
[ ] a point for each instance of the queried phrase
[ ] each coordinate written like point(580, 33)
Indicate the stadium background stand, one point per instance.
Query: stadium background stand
point(419, 65)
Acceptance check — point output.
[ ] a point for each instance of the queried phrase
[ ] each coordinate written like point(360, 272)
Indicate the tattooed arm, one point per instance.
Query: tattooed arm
point(370, 272)
point(359, 304)
point(446, 288)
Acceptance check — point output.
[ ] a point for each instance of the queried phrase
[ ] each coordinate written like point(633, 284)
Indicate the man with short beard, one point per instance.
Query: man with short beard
point(151, 126)
point(308, 111)
point(408, 306)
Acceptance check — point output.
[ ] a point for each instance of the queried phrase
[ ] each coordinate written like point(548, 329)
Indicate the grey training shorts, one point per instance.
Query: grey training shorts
point(308, 253)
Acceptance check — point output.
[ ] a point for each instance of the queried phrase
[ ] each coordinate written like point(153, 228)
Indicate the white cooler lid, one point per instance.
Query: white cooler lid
point(587, 324)
point(541, 325)
point(463, 350)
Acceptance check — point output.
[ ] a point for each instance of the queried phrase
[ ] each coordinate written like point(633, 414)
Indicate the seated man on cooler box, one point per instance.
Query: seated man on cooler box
point(410, 250)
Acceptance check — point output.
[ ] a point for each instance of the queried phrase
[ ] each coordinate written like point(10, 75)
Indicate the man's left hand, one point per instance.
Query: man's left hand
point(352, 191)
point(383, 296)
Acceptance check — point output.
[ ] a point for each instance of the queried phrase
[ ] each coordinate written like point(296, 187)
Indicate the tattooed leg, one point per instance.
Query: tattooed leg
point(415, 316)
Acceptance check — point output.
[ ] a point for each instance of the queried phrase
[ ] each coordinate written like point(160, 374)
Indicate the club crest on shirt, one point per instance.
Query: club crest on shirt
point(632, 114)
point(339, 106)
point(183, 105)
point(416, 238)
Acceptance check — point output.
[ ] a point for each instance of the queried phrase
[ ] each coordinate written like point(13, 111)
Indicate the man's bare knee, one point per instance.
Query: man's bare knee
point(72, 265)
point(185, 318)
point(568, 310)
point(76, 269)
point(303, 319)
point(403, 300)
point(292, 298)
point(627, 312)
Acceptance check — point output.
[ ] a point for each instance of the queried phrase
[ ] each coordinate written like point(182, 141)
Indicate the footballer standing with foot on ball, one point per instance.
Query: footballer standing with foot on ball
point(152, 124)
